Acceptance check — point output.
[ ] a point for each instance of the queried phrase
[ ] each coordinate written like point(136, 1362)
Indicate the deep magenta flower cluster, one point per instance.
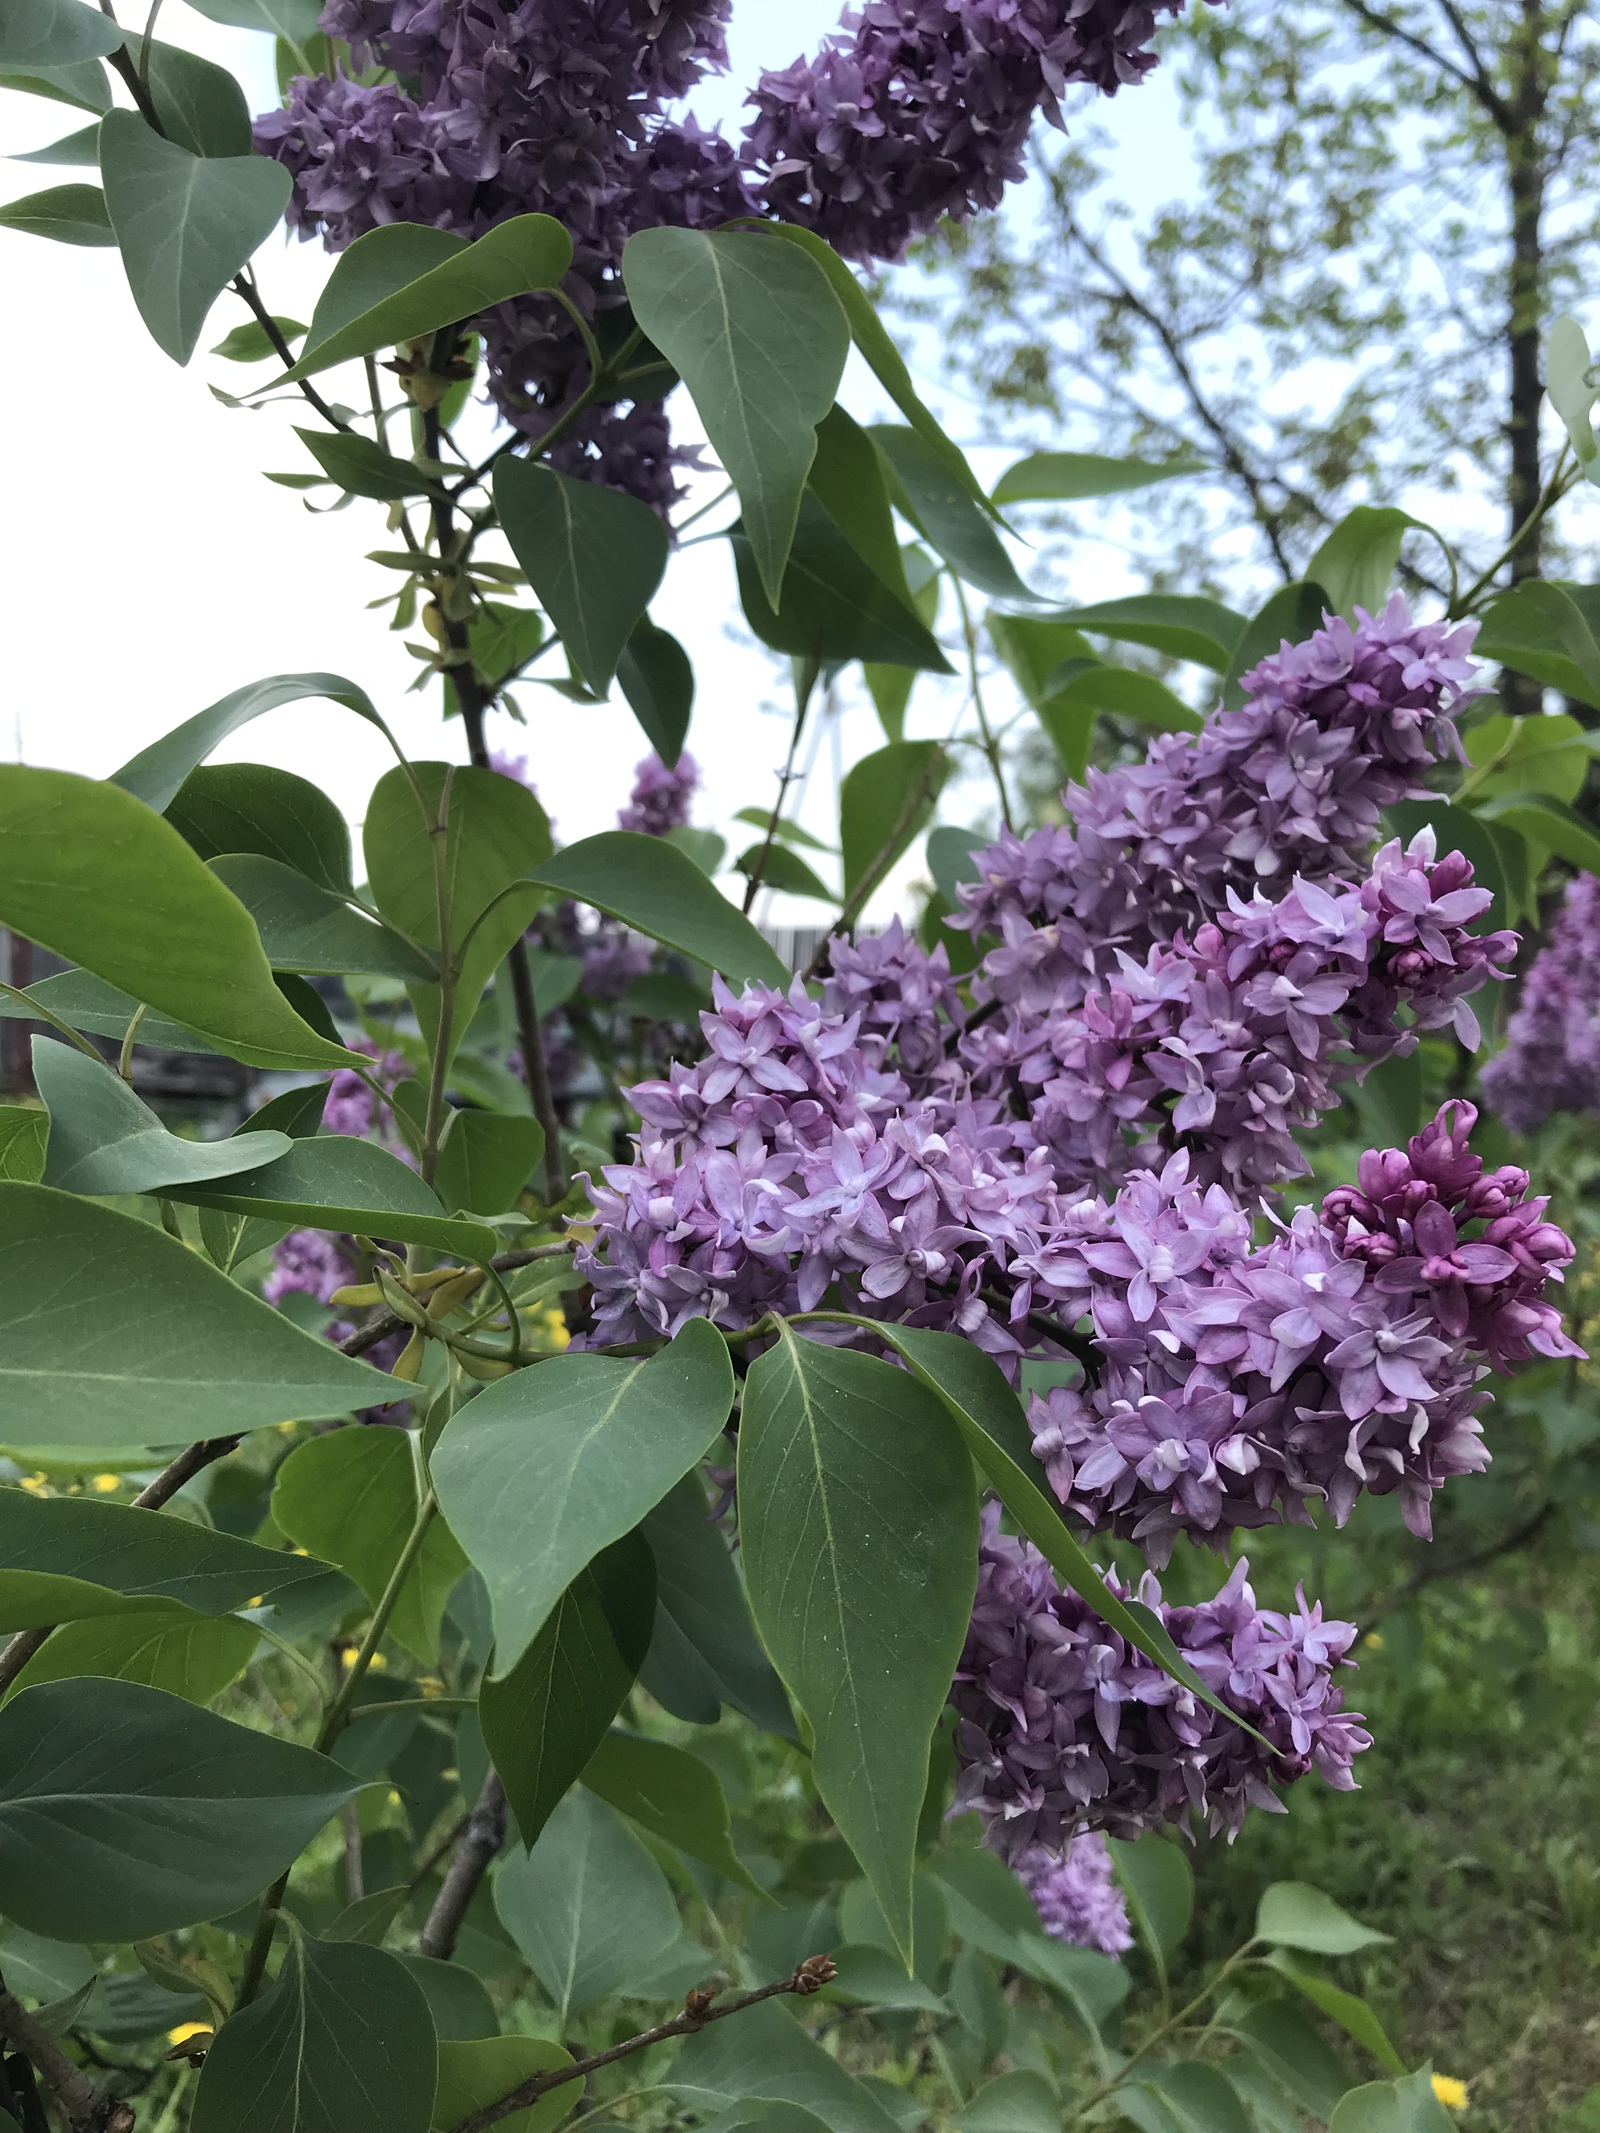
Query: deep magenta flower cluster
point(1551, 1058)
point(560, 107)
point(1076, 1895)
point(1240, 1385)
point(1063, 1727)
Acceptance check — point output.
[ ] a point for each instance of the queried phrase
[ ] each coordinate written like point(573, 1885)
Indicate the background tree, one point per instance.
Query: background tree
point(1341, 304)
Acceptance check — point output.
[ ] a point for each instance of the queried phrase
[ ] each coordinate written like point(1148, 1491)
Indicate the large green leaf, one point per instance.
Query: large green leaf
point(704, 1650)
point(342, 2043)
point(650, 885)
point(847, 479)
point(1547, 822)
point(113, 1333)
point(188, 1655)
point(1545, 754)
point(85, 1002)
point(402, 281)
point(71, 214)
point(1566, 379)
point(307, 928)
point(125, 1812)
point(1069, 477)
point(654, 673)
point(495, 835)
point(157, 773)
point(294, 21)
point(1034, 649)
point(885, 800)
point(990, 1417)
point(766, 2053)
point(65, 1558)
point(479, 2071)
point(90, 873)
point(81, 83)
point(830, 607)
point(1293, 1915)
point(878, 349)
point(1282, 2040)
point(1158, 1882)
point(485, 1159)
point(251, 807)
point(1356, 563)
point(891, 686)
point(1182, 626)
point(543, 1470)
point(1125, 694)
point(458, 2001)
point(672, 1794)
point(24, 1132)
point(333, 1181)
point(588, 1906)
point(943, 511)
point(1348, 2009)
point(543, 1722)
point(1406, 2106)
point(989, 1909)
point(1184, 2096)
point(593, 556)
point(351, 1497)
point(186, 223)
point(201, 107)
point(105, 1139)
point(760, 340)
point(1547, 631)
point(858, 1530)
point(54, 33)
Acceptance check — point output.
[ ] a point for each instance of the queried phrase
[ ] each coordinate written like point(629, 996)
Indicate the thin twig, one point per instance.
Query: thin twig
point(482, 1837)
point(166, 1484)
point(809, 1977)
point(85, 2108)
point(803, 694)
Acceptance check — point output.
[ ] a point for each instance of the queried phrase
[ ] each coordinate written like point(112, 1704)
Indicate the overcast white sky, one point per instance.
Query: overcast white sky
point(149, 569)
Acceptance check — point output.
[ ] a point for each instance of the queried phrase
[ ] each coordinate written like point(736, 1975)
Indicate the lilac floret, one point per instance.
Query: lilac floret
point(1065, 1728)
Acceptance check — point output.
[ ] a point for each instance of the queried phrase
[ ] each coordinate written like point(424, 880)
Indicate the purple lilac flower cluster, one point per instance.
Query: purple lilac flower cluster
point(660, 797)
point(1551, 1059)
point(1238, 1384)
point(559, 107)
point(917, 109)
point(1064, 1727)
point(1331, 732)
point(1076, 1895)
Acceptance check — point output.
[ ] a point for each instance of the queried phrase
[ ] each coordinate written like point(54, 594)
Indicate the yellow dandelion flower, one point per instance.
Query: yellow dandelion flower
point(1450, 2092)
point(1373, 1641)
point(36, 1485)
point(186, 2030)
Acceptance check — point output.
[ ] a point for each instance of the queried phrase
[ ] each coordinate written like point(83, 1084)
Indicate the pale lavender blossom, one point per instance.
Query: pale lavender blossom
point(1076, 1895)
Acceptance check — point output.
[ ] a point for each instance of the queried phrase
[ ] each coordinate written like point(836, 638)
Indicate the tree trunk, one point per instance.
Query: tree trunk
point(1525, 183)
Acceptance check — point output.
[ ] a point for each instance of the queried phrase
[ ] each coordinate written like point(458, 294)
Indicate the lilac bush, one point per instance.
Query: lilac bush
point(1072, 1166)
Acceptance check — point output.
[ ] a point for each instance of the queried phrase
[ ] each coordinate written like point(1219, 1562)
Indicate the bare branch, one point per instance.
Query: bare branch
point(810, 1976)
point(86, 2109)
point(481, 1838)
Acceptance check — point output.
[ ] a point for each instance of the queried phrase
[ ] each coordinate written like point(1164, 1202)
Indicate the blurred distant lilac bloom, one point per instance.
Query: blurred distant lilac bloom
point(660, 797)
point(1076, 1895)
point(1551, 1059)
